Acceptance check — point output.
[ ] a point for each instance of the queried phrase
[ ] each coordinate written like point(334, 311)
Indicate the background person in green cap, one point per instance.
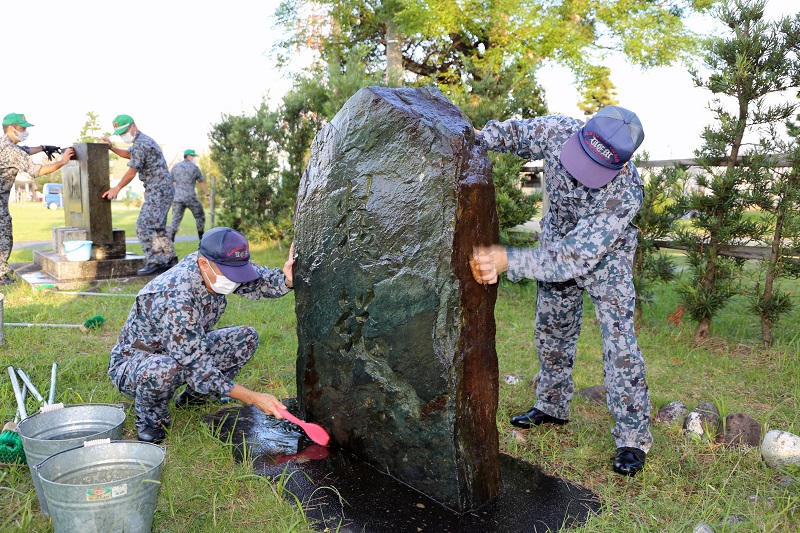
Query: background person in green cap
point(147, 159)
point(184, 176)
point(13, 160)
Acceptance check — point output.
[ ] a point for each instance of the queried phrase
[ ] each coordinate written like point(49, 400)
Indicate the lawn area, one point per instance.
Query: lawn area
point(34, 222)
point(685, 481)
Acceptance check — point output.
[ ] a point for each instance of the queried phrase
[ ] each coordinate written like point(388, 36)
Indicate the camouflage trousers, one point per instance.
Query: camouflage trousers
point(195, 207)
point(151, 379)
point(6, 236)
point(151, 226)
point(559, 311)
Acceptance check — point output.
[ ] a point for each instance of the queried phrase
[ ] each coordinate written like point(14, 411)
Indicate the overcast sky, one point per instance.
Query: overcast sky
point(176, 67)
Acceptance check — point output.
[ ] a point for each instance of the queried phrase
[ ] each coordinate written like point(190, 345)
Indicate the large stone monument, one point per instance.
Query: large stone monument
point(87, 217)
point(396, 354)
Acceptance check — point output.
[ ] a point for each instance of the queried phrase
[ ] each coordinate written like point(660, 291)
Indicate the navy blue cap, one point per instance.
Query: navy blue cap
point(229, 250)
point(597, 153)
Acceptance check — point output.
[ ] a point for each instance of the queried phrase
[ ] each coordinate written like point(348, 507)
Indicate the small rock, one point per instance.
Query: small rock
point(702, 527)
point(703, 421)
point(513, 379)
point(741, 430)
point(671, 412)
point(761, 500)
point(735, 519)
point(595, 394)
point(780, 449)
point(518, 436)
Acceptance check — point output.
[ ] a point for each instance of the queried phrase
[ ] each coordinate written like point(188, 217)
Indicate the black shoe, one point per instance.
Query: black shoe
point(7, 280)
point(534, 417)
point(629, 461)
point(150, 434)
point(150, 269)
point(189, 397)
point(172, 262)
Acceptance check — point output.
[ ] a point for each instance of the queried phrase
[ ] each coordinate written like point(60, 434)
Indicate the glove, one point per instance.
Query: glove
point(50, 150)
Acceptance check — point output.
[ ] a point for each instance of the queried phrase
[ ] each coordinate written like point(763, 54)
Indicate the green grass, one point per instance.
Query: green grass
point(685, 481)
point(34, 222)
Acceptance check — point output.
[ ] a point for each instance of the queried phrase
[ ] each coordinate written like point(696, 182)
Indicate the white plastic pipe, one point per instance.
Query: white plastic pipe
point(27, 381)
point(17, 393)
point(52, 396)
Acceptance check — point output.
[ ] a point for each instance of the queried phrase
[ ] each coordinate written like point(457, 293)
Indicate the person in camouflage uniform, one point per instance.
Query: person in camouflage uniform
point(13, 160)
point(148, 161)
point(168, 338)
point(184, 176)
point(588, 243)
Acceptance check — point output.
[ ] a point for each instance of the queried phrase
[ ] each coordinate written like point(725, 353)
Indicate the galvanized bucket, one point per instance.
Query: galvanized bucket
point(44, 434)
point(102, 487)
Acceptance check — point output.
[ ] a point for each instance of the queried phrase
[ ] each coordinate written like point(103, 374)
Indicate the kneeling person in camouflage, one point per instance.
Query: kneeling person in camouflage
point(168, 339)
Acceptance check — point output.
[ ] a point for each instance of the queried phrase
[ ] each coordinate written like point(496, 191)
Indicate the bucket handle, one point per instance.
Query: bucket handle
point(70, 248)
point(117, 405)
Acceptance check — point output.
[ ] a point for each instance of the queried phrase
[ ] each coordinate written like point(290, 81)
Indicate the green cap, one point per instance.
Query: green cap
point(189, 152)
point(121, 124)
point(16, 118)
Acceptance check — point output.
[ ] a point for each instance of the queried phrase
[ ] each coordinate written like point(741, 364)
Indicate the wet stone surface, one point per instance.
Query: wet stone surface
point(342, 493)
point(393, 331)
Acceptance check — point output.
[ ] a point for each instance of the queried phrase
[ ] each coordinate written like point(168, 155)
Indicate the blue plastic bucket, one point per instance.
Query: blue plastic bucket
point(78, 250)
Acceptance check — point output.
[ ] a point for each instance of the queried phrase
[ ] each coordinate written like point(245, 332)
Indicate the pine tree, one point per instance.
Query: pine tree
point(753, 60)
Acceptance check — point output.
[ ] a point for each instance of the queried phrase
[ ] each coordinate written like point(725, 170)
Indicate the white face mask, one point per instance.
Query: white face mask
point(223, 285)
point(127, 136)
point(20, 135)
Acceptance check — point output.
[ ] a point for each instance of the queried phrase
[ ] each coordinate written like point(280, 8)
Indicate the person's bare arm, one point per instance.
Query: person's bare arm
point(112, 193)
point(263, 401)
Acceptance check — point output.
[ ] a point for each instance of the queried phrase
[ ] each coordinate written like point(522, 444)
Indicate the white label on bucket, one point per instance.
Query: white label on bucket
point(98, 494)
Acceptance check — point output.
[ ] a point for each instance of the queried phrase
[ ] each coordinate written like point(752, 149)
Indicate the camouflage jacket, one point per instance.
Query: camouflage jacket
point(148, 160)
point(173, 313)
point(14, 160)
point(581, 225)
point(184, 175)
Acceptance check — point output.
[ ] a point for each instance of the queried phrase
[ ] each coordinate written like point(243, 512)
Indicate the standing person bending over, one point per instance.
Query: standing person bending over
point(148, 161)
point(184, 176)
point(168, 338)
point(588, 243)
point(13, 160)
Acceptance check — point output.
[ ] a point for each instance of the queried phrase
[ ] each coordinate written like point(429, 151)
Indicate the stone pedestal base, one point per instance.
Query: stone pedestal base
point(61, 269)
point(100, 252)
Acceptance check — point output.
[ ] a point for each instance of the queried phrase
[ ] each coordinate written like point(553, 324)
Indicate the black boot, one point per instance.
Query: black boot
point(188, 397)
point(148, 433)
point(629, 461)
point(535, 417)
point(150, 269)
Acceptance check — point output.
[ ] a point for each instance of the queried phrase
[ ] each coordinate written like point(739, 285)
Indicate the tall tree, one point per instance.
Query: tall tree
point(245, 149)
point(91, 131)
point(301, 115)
point(746, 64)
point(456, 45)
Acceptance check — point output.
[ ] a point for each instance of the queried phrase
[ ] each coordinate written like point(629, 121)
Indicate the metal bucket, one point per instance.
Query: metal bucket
point(2, 321)
point(44, 434)
point(109, 486)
